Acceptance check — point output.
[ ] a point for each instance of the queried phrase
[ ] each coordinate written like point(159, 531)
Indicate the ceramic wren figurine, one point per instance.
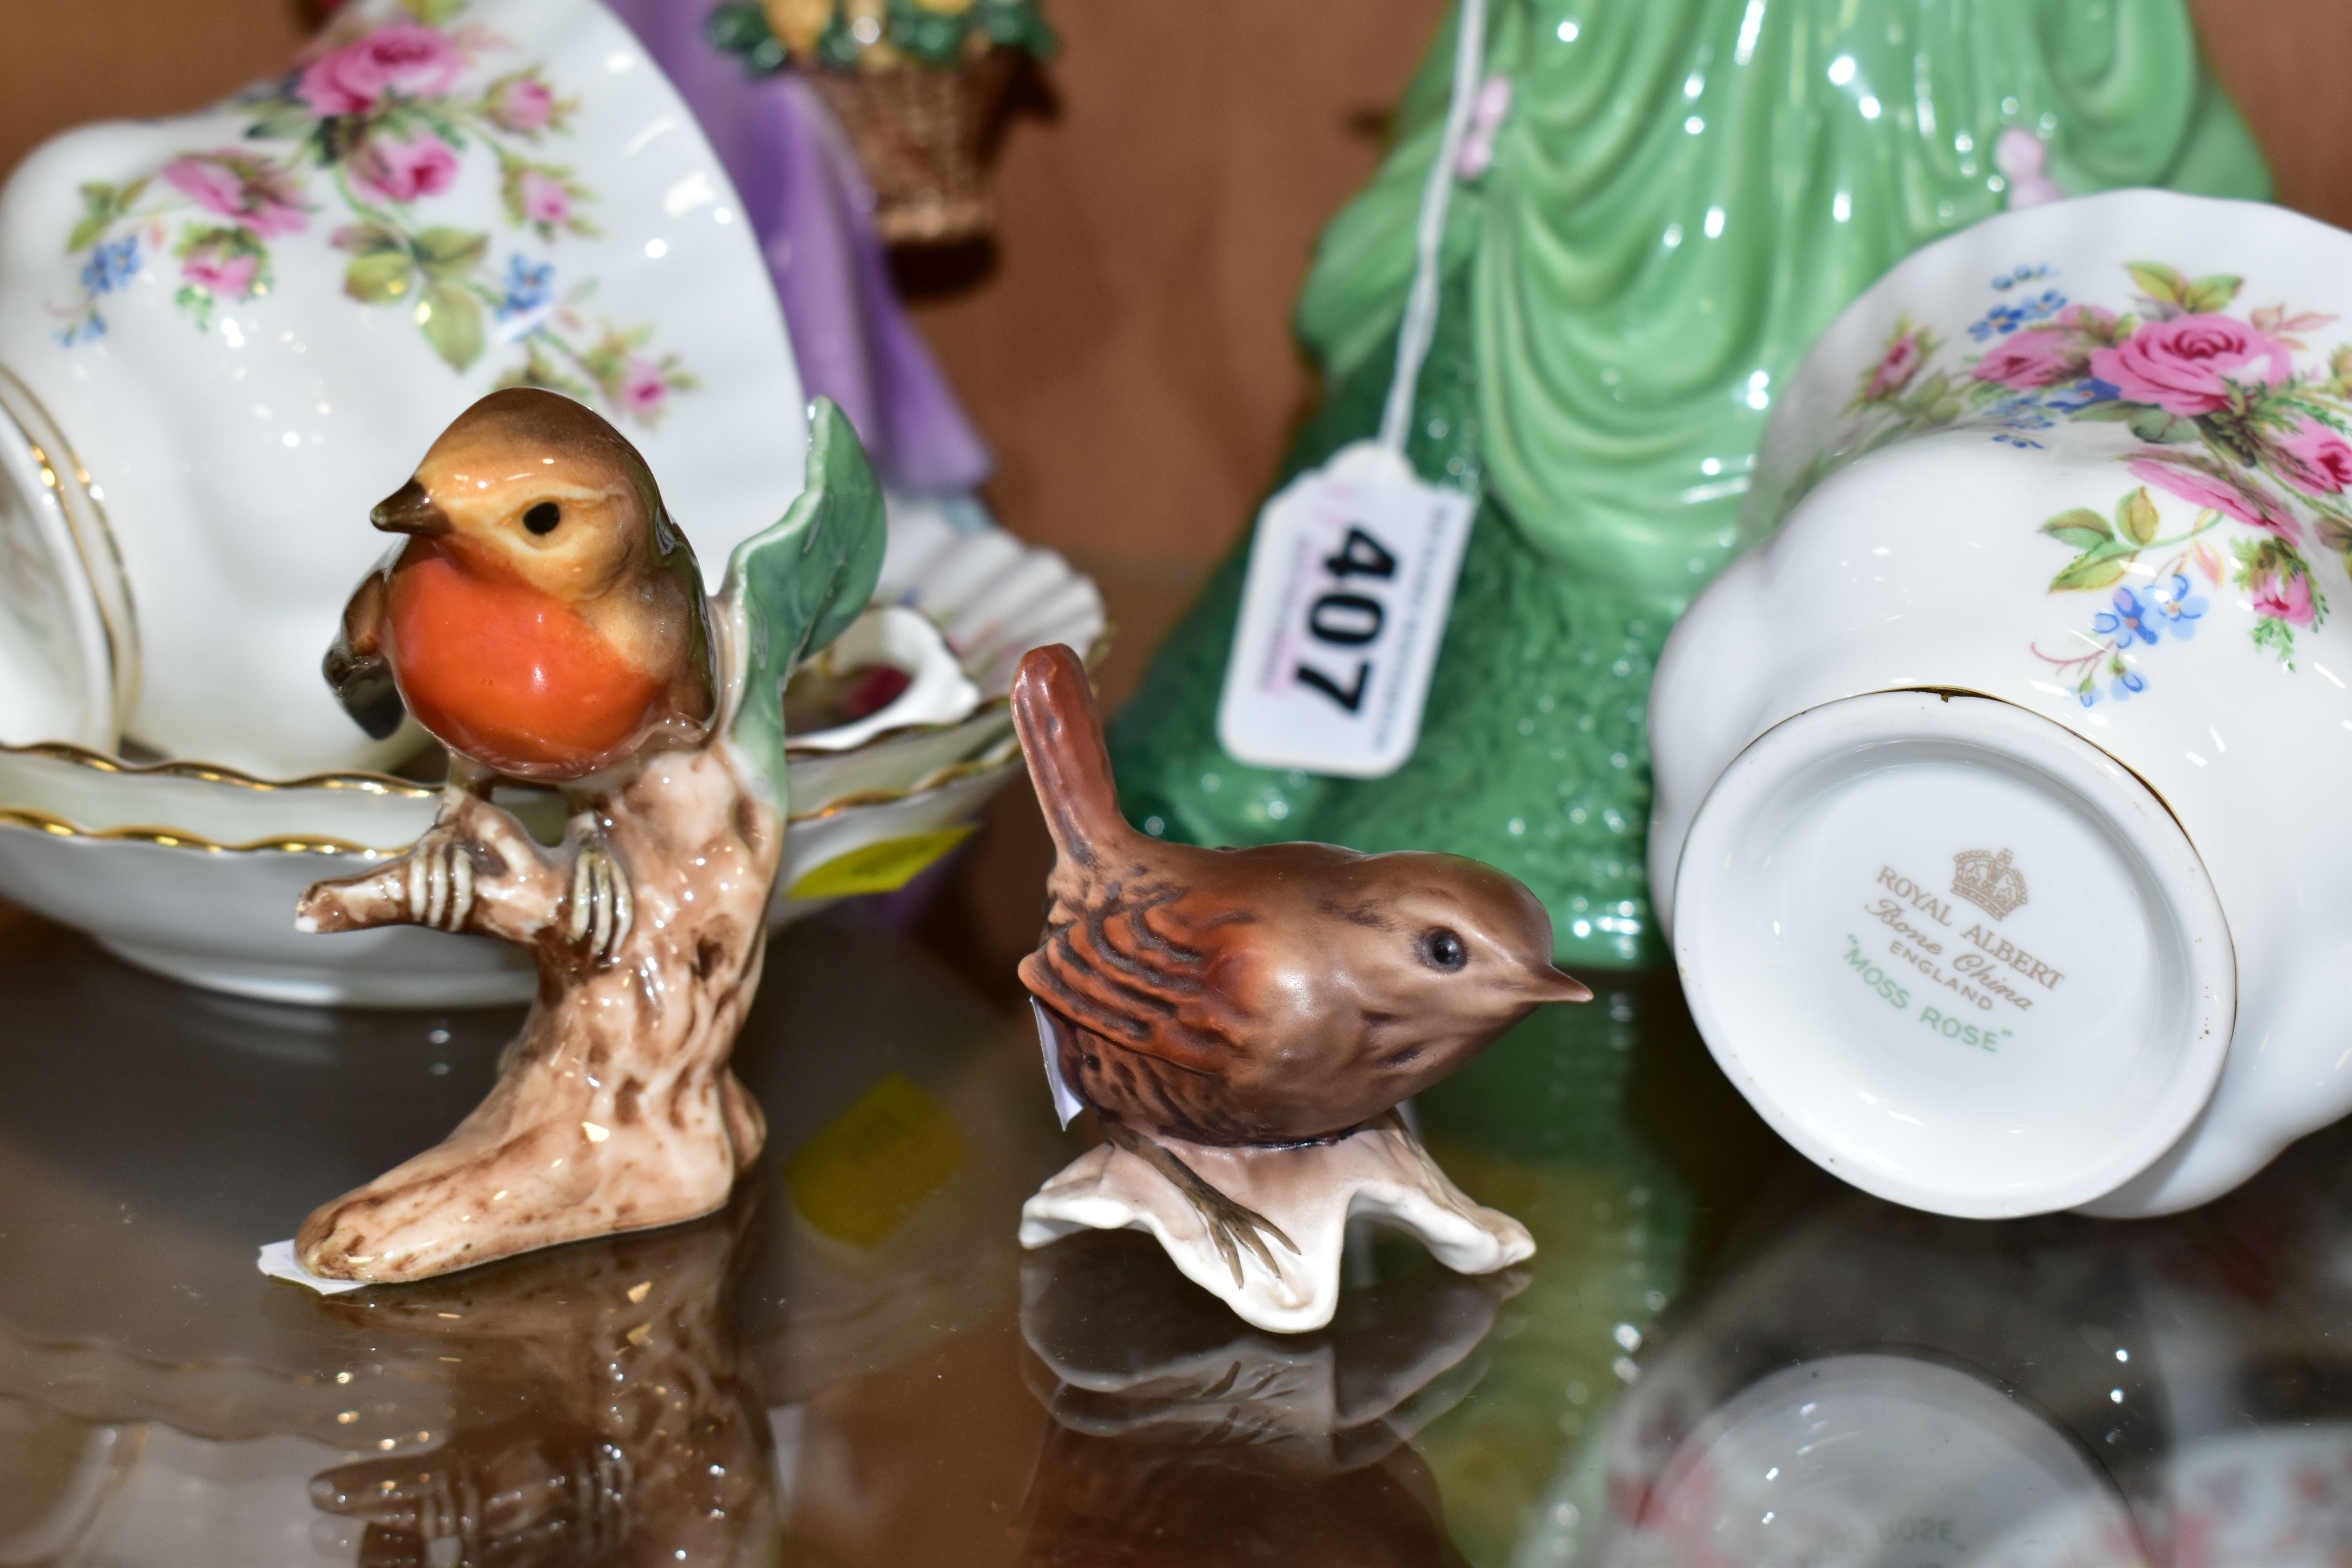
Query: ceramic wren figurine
point(546, 621)
point(1247, 1011)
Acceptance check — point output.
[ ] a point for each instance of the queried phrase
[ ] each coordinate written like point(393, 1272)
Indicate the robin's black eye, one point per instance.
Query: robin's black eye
point(1441, 949)
point(542, 518)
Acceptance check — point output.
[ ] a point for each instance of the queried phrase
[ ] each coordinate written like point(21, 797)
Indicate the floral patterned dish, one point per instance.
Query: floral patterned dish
point(241, 322)
point(1970, 771)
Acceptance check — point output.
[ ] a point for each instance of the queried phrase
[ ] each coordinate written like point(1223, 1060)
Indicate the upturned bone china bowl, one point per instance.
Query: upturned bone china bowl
point(1992, 786)
point(225, 336)
point(193, 869)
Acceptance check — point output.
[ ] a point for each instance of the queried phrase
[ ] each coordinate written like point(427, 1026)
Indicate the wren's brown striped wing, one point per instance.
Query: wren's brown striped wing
point(1130, 962)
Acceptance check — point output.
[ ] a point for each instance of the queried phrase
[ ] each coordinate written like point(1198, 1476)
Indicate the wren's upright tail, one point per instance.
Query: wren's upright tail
point(1053, 713)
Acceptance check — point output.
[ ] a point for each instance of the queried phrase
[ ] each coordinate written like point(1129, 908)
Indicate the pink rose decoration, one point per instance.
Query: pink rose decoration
point(2035, 357)
point(406, 58)
point(545, 200)
point(248, 190)
point(643, 390)
point(2180, 365)
point(405, 171)
point(2248, 502)
point(525, 105)
point(2283, 596)
point(231, 278)
point(1902, 361)
point(216, 186)
point(2316, 460)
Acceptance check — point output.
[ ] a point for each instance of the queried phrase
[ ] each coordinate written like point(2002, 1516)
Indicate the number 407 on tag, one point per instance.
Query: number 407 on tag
point(1351, 577)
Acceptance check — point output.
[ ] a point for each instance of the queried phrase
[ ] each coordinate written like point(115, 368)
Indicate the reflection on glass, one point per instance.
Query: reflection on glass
point(633, 1433)
point(1183, 1435)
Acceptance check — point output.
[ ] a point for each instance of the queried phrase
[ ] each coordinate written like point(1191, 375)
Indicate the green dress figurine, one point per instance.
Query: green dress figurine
point(1662, 203)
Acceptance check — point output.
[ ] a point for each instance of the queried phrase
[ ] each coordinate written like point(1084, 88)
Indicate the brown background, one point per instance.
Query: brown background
point(1125, 343)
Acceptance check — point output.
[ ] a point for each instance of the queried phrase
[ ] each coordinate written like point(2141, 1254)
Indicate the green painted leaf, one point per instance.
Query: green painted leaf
point(379, 278)
point(2158, 281)
point(452, 323)
point(2211, 292)
point(2136, 516)
point(2154, 425)
point(2112, 412)
point(2082, 527)
point(2277, 636)
point(366, 238)
point(2088, 572)
point(101, 203)
point(451, 252)
point(279, 122)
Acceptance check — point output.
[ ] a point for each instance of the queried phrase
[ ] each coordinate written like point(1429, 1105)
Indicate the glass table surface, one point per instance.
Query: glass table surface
point(1717, 1356)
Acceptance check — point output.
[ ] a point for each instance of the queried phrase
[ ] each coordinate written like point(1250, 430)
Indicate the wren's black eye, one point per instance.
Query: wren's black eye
point(1441, 949)
point(542, 518)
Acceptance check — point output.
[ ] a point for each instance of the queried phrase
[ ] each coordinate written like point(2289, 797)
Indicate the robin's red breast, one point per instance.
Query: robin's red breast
point(1268, 997)
point(545, 618)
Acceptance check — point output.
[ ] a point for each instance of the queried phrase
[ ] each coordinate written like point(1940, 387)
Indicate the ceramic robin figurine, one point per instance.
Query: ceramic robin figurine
point(1272, 997)
point(546, 621)
point(545, 618)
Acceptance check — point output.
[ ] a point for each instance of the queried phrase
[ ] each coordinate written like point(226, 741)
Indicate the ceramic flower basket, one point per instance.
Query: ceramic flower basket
point(916, 85)
point(1994, 789)
point(921, 134)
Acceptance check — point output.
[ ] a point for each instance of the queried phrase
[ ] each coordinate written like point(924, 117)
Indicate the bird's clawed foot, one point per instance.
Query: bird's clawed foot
point(440, 885)
point(1232, 1226)
point(600, 909)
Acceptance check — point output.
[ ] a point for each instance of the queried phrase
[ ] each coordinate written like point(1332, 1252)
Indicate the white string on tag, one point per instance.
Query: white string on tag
point(1352, 573)
point(1420, 325)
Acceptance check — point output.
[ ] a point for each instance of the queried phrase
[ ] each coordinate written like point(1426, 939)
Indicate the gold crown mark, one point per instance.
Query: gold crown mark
point(1988, 881)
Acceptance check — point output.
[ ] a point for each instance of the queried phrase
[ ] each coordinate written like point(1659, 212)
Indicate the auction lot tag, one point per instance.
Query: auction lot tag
point(1351, 578)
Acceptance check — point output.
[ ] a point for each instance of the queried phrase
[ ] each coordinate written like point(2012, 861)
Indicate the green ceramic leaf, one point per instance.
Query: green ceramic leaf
point(2112, 411)
point(451, 252)
point(452, 323)
point(378, 277)
point(2136, 516)
point(2155, 425)
point(2090, 571)
point(2082, 527)
point(801, 583)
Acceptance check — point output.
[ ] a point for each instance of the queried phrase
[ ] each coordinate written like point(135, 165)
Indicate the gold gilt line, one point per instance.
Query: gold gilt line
point(178, 839)
point(939, 780)
point(213, 773)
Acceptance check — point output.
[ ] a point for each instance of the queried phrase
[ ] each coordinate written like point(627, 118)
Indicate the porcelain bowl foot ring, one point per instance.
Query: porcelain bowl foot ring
point(1955, 953)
